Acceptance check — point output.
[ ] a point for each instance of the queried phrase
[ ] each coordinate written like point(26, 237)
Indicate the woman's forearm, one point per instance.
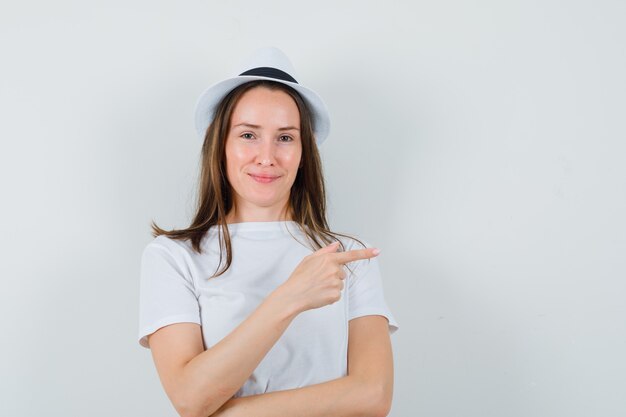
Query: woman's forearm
point(214, 376)
point(346, 397)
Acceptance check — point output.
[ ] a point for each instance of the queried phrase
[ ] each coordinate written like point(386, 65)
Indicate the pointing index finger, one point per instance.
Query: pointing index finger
point(356, 254)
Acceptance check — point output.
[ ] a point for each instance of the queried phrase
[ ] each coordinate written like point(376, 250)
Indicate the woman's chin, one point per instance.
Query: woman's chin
point(264, 202)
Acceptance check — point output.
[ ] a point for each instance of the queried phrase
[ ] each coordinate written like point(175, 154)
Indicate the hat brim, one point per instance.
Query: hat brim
point(211, 97)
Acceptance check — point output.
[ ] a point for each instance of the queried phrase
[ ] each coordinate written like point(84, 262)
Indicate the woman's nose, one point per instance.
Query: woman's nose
point(265, 156)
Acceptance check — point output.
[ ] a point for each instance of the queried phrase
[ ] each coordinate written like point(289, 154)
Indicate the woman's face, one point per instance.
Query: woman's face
point(263, 150)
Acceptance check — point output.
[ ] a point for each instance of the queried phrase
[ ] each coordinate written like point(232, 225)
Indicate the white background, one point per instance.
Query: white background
point(479, 144)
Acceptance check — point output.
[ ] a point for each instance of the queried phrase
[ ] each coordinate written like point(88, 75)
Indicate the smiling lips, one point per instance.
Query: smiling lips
point(264, 178)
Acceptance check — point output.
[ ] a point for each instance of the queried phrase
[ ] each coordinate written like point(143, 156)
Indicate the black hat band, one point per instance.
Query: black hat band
point(270, 73)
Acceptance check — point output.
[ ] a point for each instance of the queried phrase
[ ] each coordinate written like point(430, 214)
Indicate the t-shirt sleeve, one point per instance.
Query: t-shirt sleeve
point(166, 294)
point(365, 292)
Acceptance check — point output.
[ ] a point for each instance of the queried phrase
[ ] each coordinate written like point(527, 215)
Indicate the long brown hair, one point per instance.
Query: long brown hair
point(307, 199)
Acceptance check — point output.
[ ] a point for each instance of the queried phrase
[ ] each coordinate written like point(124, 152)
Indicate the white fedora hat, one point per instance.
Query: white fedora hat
point(264, 64)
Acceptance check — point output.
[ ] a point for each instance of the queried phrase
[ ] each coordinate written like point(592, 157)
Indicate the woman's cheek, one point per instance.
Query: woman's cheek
point(292, 157)
point(241, 153)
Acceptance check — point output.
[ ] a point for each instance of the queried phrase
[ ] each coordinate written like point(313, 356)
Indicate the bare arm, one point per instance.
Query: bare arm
point(366, 391)
point(199, 382)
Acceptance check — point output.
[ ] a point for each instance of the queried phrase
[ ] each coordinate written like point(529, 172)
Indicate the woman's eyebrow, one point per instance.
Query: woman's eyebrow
point(251, 126)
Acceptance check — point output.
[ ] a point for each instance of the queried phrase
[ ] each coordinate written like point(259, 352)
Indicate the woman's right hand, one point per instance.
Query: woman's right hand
point(318, 279)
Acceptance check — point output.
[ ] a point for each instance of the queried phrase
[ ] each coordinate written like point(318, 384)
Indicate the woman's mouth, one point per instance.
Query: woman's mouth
point(264, 178)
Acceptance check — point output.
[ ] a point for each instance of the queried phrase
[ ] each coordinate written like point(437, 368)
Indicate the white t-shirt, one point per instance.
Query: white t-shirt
point(175, 287)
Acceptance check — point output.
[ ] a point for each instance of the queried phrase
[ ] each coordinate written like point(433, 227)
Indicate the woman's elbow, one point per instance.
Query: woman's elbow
point(194, 411)
point(187, 406)
point(381, 397)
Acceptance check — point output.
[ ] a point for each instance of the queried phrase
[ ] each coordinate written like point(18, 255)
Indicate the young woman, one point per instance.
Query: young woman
point(257, 308)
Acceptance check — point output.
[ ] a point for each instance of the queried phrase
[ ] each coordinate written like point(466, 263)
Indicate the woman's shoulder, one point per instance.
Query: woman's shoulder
point(173, 247)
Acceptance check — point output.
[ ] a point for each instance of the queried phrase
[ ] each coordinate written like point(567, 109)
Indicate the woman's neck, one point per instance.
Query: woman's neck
point(259, 215)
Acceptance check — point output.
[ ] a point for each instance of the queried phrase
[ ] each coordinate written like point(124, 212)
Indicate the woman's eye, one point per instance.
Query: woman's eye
point(247, 136)
point(286, 138)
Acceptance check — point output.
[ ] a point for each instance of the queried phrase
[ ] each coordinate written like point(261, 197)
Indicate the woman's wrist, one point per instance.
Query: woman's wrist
point(286, 307)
